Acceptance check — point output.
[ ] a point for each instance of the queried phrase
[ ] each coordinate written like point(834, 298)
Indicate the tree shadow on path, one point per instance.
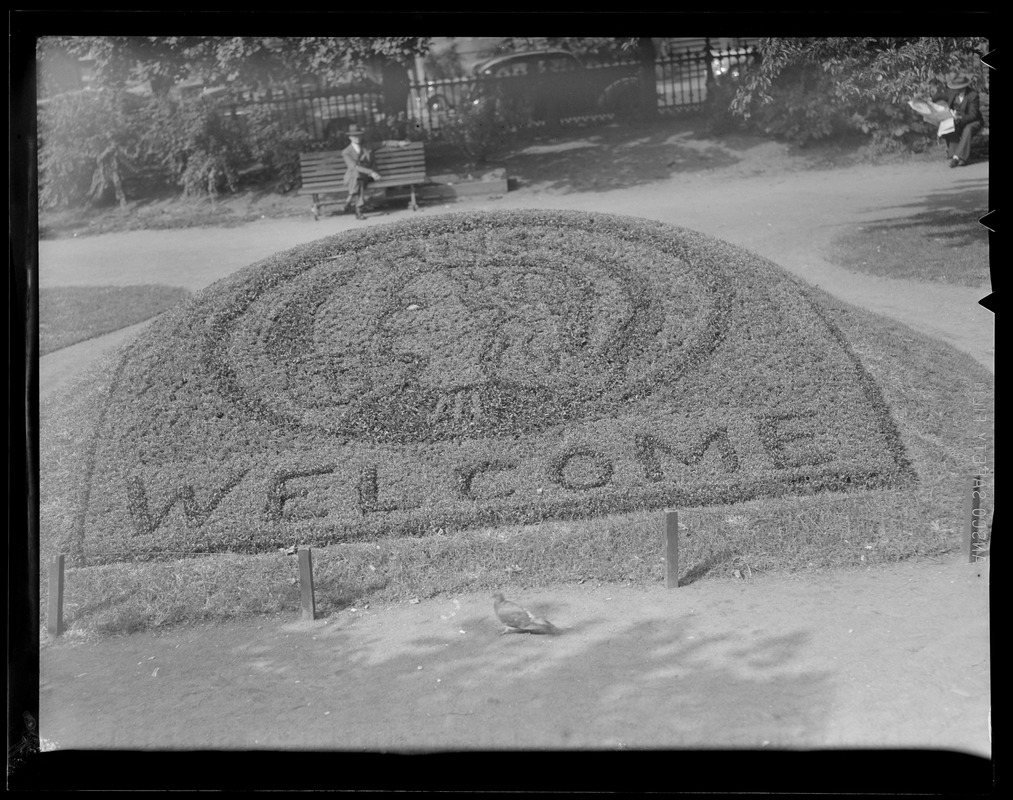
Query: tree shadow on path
point(617, 157)
point(949, 216)
point(659, 682)
point(606, 682)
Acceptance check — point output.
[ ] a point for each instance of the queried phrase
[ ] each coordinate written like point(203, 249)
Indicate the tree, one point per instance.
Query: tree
point(396, 87)
point(230, 60)
point(811, 88)
point(90, 140)
point(648, 84)
point(87, 145)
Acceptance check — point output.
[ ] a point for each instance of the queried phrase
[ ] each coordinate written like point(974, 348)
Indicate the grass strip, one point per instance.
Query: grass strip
point(72, 314)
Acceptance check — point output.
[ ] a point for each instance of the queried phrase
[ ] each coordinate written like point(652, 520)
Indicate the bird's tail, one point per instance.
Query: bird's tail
point(543, 626)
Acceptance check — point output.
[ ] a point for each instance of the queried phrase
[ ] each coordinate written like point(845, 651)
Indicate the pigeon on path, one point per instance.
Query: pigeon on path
point(518, 619)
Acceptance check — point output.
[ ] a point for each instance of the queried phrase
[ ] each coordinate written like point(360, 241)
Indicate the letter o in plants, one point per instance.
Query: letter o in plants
point(580, 469)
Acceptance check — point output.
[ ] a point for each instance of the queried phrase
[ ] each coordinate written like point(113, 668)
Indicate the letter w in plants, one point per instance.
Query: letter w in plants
point(146, 522)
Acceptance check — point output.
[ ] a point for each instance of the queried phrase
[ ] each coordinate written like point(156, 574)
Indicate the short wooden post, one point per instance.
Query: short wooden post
point(973, 528)
point(54, 620)
point(671, 549)
point(309, 610)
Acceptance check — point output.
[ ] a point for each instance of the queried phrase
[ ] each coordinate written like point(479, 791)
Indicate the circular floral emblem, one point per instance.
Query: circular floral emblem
point(462, 333)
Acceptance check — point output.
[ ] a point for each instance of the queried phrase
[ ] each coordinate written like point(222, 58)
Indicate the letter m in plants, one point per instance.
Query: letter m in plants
point(648, 447)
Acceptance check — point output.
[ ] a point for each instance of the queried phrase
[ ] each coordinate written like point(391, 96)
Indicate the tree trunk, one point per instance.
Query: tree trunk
point(396, 87)
point(709, 85)
point(551, 89)
point(648, 81)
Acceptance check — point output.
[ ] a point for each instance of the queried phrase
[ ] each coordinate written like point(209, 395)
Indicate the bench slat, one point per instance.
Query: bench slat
point(394, 157)
point(337, 183)
point(385, 169)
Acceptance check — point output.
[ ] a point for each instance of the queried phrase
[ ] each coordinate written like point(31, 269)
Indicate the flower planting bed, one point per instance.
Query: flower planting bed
point(470, 370)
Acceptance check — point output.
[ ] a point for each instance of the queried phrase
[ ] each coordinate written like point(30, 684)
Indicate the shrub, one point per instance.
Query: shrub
point(275, 145)
point(891, 127)
point(804, 109)
point(88, 142)
point(479, 128)
point(397, 127)
point(719, 115)
point(807, 111)
point(811, 89)
point(199, 141)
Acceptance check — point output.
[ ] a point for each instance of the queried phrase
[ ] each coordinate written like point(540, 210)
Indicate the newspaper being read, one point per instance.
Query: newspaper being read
point(934, 113)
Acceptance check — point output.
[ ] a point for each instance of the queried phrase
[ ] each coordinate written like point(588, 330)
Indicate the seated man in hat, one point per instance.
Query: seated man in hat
point(962, 99)
point(359, 170)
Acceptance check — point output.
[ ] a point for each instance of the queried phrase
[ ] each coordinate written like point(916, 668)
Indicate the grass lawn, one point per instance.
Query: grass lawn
point(72, 314)
point(944, 246)
point(746, 387)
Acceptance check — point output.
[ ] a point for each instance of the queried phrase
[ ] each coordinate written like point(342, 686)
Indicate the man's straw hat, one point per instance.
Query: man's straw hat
point(958, 81)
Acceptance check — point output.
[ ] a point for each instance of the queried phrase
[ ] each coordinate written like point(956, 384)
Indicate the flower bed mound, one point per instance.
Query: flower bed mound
point(470, 370)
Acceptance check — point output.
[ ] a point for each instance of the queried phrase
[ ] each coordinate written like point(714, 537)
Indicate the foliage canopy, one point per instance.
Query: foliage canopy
point(811, 88)
point(252, 61)
point(90, 141)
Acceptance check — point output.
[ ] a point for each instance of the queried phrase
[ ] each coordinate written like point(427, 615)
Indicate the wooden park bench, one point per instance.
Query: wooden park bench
point(400, 164)
point(979, 144)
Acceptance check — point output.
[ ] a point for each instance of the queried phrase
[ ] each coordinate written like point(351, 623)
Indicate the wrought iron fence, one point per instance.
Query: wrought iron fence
point(593, 94)
point(433, 103)
point(321, 114)
point(682, 82)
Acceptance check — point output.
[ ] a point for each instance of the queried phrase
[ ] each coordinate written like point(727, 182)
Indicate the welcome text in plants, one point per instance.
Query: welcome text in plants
point(642, 462)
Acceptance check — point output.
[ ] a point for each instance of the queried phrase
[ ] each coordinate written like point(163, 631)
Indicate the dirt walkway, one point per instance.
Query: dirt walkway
point(772, 661)
point(889, 657)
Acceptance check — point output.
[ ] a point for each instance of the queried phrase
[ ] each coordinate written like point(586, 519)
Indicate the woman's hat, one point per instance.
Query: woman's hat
point(355, 130)
point(958, 81)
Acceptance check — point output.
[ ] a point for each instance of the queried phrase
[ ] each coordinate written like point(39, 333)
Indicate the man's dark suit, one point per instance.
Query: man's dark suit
point(358, 172)
point(967, 120)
